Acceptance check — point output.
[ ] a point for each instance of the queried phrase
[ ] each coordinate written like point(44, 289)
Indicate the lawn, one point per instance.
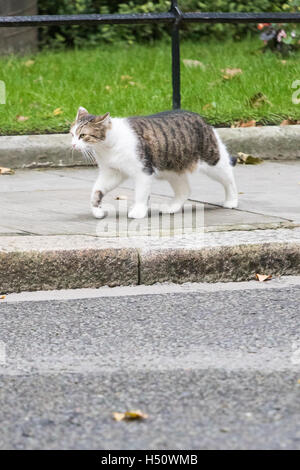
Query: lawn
point(45, 90)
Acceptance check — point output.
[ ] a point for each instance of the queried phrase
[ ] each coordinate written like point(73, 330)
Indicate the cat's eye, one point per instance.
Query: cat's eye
point(81, 136)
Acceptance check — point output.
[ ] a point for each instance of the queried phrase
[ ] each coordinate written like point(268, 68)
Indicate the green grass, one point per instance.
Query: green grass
point(93, 78)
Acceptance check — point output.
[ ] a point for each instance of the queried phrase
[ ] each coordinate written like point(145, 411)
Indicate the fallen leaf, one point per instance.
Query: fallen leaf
point(29, 63)
point(228, 73)
point(194, 63)
point(132, 83)
point(121, 198)
point(209, 105)
point(108, 88)
point(283, 62)
point(2, 297)
point(6, 171)
point(244, 124)
point(263, 277)
point(258, 100)
point(130, 415)
point(126, 77)
point(289, 122)
point(22, 118)
point(246, 159)
point(57, 111)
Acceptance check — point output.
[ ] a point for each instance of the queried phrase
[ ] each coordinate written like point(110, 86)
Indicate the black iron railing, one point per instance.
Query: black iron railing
point(174, 17)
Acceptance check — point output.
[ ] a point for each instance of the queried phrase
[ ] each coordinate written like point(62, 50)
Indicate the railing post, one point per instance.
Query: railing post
point(176, 55)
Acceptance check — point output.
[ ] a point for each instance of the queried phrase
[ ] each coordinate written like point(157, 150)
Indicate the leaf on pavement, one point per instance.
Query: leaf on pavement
point(6, 171)
point(2, 297)
point(130, 415)
point(246, 159)
point(263, 277)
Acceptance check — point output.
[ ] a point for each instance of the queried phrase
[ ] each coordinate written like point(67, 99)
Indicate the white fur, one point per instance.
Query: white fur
point(118, 159)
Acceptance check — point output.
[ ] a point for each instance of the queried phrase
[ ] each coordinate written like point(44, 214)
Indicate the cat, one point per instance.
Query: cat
point(168, 145)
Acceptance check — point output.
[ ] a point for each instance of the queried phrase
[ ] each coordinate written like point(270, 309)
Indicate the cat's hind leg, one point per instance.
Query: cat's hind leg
point(223, 173)
point(181, 187)
point(107, 180)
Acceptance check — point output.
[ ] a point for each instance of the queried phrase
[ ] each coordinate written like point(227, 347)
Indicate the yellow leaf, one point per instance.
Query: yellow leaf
point(130, 415)
point(6, 171)
point(29, 63)
point(2, 297)
point(246, 159)
point(22, 118)
point(57, 111)
point(118, 416)
point(263, 277)
point(230, 73)
point(258, 100)
point(126, 77)
point(194, 63)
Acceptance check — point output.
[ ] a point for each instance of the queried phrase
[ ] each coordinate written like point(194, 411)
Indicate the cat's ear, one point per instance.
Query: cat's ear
point(105, 119)
point(81, 112)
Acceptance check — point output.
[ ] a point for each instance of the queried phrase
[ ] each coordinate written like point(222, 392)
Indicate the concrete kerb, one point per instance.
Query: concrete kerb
point(54, 150)
point(48, 263)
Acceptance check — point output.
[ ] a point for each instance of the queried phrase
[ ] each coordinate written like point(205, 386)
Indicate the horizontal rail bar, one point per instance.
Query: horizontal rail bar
point(45, 20)
point(140, 18)
point(197, 17)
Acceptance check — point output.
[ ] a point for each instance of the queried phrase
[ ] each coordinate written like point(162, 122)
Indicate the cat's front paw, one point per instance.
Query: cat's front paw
point(138, 212)
point(98, 212)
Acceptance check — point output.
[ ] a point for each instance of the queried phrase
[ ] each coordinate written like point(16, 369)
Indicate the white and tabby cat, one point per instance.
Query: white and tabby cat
point(168, 145)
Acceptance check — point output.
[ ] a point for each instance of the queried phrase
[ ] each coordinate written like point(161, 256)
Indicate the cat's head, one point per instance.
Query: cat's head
point(89, 129)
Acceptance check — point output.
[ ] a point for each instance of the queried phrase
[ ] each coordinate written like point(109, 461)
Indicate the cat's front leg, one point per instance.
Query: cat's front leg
point(107, 180)
point(143, 184)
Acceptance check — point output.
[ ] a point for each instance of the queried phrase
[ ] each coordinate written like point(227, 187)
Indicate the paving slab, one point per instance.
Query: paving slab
point(50, 240)
point(50, 202)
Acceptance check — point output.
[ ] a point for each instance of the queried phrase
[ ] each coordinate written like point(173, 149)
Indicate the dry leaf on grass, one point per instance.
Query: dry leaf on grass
point(6, 171)
point(251, 123)
point(57, 111)
point(259, 99)
point(263, 277)
point(126, 77)
point(29, 63)
point(209, 105)
point(246, 159)
point(229, 73)
point(21, 118)
point(289, 122)
point(194, 63)
point(130, 415)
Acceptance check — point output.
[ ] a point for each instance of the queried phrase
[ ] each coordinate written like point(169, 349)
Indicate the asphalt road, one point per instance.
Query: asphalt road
point(213, 370)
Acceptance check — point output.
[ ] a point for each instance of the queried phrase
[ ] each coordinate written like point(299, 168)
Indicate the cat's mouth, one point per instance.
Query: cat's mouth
point(87, 152)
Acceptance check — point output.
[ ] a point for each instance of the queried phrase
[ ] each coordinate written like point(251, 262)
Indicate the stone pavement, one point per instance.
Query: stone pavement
point(44, 212)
